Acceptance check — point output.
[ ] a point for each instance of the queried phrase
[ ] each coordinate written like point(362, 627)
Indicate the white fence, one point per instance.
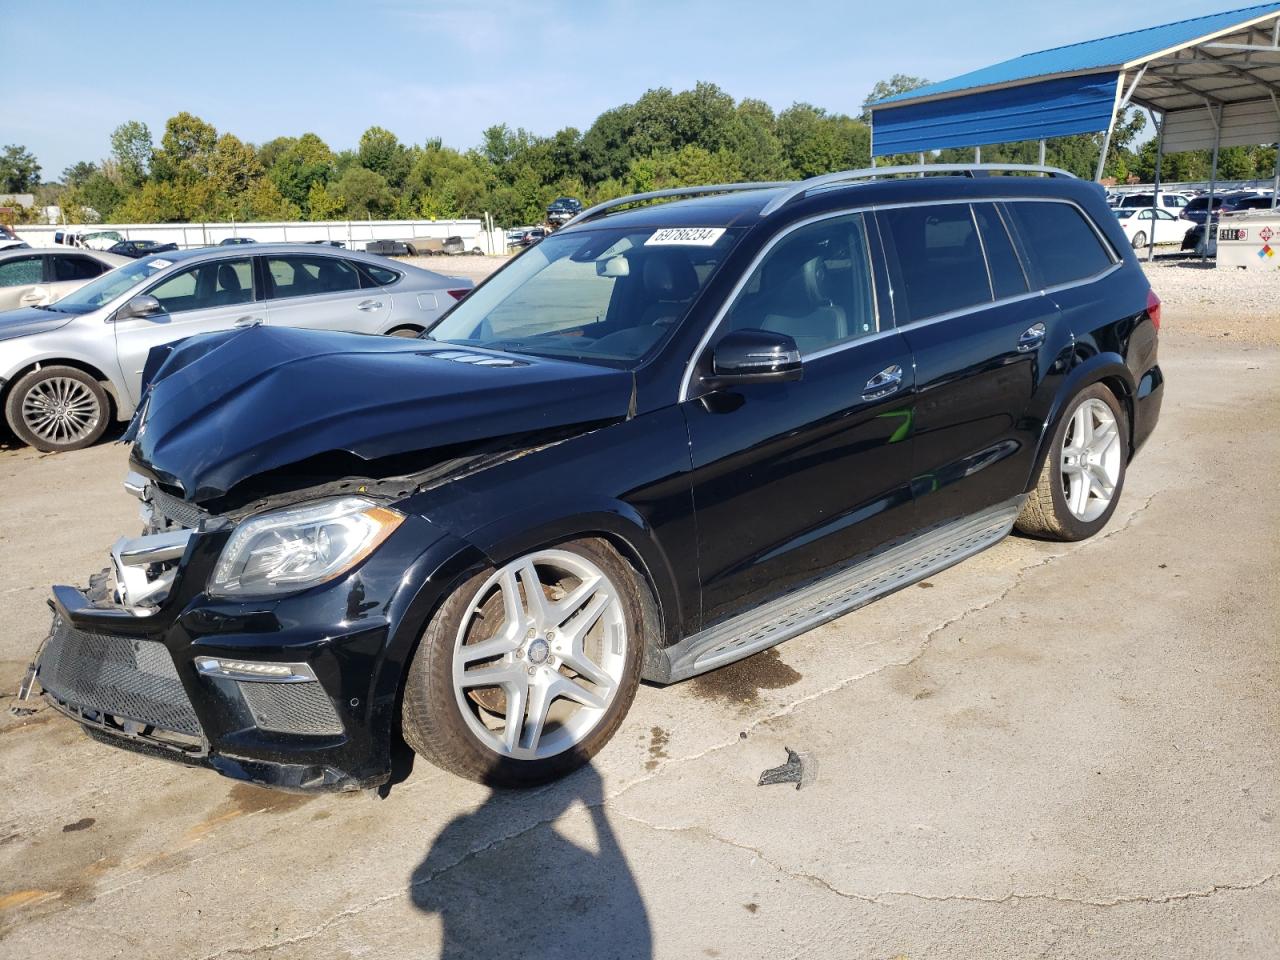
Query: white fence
point(354, 233)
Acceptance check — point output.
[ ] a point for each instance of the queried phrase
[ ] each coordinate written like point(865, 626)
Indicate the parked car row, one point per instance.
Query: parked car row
point(1174, 218)
point(70, 365)
point(662, 440)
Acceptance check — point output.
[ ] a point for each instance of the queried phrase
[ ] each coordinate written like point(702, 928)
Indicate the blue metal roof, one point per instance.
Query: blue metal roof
point(1087, 56)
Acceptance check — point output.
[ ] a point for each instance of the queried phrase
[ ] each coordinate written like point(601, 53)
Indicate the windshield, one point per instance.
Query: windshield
point(110, 285)
point(606, 296)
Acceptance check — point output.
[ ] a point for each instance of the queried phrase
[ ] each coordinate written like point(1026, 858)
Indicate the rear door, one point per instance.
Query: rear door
point(321, 292)
point(792, 480)
point(67, 271)
point(214, 295)
point(18, 275)
point(983, 338)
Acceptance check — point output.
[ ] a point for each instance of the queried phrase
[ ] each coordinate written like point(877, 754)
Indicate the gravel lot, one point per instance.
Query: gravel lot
point(1062, 751)
point(1244, 304)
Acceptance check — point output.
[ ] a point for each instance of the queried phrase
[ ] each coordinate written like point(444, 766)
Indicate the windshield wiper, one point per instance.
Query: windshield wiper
point(43, 306)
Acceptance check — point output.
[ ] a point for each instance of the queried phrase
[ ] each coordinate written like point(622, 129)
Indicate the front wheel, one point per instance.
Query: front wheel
point(1083, 473)
point(1139, 240)
point(527, 671)
point(58, 408)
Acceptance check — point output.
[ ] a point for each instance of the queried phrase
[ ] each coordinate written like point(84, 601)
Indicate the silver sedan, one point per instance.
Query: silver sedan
point(34, 278)
point(69, 368)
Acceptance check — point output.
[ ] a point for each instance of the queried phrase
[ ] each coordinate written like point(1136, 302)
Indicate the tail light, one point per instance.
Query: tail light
point(459, 294)
point(1153, 308)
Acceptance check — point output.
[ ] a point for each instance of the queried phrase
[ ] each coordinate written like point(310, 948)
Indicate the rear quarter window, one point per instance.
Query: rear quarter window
point(1062, 244)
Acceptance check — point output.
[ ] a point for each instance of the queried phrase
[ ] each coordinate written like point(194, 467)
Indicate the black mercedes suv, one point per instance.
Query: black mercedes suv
point(669, 436)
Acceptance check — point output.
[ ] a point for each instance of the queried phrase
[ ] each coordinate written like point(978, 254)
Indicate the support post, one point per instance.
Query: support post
point(1210, 228)
point(1155, 199)
point(977, 154)
point(1042, 154)
point(922, 164)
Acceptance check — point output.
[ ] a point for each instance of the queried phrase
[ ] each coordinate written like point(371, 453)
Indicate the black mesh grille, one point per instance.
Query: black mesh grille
point(178, 511)
point(291, 708)
point(126, 678)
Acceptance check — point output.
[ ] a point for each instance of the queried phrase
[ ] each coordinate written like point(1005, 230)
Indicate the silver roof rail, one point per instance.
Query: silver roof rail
point(600, 208)
point(870, 173)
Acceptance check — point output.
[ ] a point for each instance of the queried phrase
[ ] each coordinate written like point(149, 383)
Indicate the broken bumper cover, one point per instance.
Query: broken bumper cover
point(298, 692)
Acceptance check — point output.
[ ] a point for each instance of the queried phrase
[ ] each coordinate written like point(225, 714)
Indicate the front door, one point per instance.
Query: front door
point(215, 295)
point(793, 480)
point(322, 292)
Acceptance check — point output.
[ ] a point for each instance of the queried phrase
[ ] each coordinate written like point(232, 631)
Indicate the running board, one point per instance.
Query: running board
point(817, 603)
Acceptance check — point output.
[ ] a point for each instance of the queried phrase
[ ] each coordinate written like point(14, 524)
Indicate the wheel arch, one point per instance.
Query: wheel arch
point(1105, 368)
point(113, 390)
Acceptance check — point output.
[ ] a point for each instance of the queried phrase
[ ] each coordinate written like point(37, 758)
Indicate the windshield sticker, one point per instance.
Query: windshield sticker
point(685, 237)
point(160, 264)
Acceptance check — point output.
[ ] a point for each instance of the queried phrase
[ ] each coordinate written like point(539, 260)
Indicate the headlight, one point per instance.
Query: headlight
point(296, 548)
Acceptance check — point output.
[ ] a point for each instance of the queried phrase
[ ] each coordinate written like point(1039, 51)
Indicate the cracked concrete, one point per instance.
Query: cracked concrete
point(1052, 751)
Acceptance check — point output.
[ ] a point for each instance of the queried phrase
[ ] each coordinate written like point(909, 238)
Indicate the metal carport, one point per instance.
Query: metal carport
point(1209, 82)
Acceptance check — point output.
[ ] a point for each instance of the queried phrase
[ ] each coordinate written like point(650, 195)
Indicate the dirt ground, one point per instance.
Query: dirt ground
point(1062, 751)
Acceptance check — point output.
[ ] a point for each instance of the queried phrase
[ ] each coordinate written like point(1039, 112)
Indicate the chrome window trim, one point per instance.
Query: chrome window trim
point(686, 381)
point(982, 246)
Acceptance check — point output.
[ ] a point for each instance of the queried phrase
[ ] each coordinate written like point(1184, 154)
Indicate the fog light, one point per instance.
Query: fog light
point(255, 670)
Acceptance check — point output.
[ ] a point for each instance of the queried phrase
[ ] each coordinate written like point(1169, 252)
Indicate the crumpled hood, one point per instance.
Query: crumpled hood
point(28, 320)
point(225, 407)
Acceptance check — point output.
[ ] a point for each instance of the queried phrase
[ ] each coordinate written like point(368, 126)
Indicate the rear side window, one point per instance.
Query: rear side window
point(1063, 246)
point(1007, 276)
point(381, 275)
point(75, 268)
point(306, 276)
point(939, 258)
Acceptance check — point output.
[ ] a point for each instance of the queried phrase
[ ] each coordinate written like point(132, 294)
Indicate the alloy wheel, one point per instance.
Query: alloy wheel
point(1091, 460)
point(60, 410)
point(540, 654)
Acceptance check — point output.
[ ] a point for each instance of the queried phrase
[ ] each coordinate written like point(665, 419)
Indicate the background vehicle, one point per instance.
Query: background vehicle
point(92, 345)
point(739, 418)
point(1173, 202)
point(1197, 208)
point(140, 248)
point(532, 236)
point(1141, 224)
point(563, 209)
point(235, 241)
point(32, 277)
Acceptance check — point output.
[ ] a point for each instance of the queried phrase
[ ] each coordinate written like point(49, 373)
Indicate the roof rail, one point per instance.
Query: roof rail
point(871, 173)
point(601, 208)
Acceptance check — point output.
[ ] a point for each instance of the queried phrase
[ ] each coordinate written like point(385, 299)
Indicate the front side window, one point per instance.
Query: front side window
point(814, 286)
point(939, 259)
point(607, 296)
point(222, 283)
point(21, 271)
point(75, 268)
point(1063, 246)
point(304, 276)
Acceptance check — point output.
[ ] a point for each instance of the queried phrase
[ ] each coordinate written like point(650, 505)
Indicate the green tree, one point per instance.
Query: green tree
point(898, 83)
point(78, 173)
point(323, 205)
point(298, 166)
point(19, 171)
point(381, 152)
point(816, 142)
point(186, 149)
point(364, 193)
point(131, 148)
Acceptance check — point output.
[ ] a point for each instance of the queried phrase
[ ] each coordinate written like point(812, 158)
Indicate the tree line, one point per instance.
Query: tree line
point(664, 138)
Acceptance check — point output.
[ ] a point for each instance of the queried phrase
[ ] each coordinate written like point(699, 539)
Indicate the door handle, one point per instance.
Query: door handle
point(885, 382)
point(1031, 337)
point(367, 305)
point(248, 321)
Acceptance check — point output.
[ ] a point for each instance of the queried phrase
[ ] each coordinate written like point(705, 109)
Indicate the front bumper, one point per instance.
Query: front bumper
point(134, 681)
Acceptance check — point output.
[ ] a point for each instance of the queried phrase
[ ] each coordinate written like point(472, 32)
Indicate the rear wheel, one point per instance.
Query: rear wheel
point(58, 408)
point(527, 671)
point(1083, 474)
point(1139, 240)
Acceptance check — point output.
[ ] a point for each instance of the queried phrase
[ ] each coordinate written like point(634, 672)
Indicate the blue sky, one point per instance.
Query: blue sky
point(428, 68)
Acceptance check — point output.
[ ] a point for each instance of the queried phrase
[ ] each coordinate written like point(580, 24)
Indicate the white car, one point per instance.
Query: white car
point(36, 278)
point(1141, 225)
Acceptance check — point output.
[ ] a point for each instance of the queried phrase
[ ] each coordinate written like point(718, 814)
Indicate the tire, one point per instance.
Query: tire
point(453, 722)
point(476, 251)
point(1139, 240)
point(57, 408)
point(1055, 509)
point(409, 332)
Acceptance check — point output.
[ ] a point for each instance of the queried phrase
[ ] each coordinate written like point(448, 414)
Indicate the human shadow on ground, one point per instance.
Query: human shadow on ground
point(506, 882)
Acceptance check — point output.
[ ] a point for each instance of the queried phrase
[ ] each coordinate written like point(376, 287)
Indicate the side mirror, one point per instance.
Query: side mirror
point(753, 356)
point(142, 307)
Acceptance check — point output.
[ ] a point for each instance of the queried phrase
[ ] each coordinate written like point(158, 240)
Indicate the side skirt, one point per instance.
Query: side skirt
point(822, 601)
